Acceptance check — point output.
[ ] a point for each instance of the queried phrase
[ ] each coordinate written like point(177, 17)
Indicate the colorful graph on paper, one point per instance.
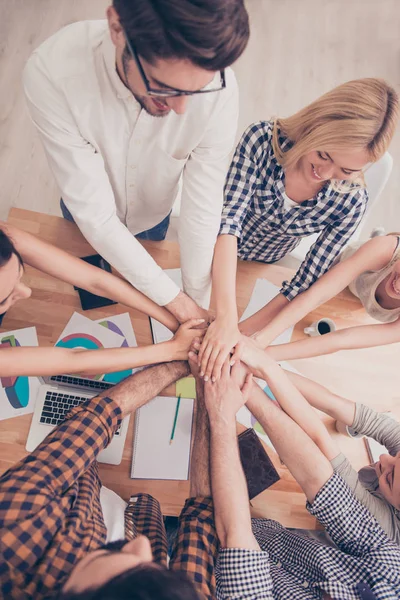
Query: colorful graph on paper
point(17, 393)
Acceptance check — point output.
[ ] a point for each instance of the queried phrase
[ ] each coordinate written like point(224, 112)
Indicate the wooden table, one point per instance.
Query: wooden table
point(367, 375)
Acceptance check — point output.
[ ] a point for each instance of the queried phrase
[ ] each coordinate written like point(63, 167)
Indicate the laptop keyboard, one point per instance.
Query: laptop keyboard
point(57, 405)
point(92, 384)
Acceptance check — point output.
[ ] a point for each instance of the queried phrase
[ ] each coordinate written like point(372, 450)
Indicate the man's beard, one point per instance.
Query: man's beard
point(144, 101)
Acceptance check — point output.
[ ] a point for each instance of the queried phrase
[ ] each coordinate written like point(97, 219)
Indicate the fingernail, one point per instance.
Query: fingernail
point(202, 374)
point(206, 378)
point(214, 379)
point(232, 363)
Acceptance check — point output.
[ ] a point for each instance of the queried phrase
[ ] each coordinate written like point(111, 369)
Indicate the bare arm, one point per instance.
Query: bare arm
point(373, 255)
point(232, 510)
point(307, 464)
point(223, 333)
point(53, 361)
point(320, 397)
point(68, 268)
point(362, 336)
point(200, 461)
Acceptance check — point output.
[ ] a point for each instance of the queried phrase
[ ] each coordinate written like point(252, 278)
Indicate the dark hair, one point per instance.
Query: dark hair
point(7, 249)
point(145, 582)
point(212, 34)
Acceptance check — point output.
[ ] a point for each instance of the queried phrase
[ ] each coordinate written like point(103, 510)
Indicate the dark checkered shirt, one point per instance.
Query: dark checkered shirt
point(366, 564)
point(50, 512)
point(254, 211)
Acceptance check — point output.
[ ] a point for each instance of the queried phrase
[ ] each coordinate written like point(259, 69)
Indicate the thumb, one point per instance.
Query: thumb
point(237, 353)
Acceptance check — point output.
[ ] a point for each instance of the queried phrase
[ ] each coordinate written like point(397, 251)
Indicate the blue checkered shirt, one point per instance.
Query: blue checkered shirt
point(254, 211)
point(366, 564)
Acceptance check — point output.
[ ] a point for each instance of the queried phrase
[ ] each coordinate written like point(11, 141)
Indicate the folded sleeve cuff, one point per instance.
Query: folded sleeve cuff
point(290, 290)
point(243, 573)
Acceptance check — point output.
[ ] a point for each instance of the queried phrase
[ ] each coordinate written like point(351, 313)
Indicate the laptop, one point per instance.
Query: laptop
point(57, 395)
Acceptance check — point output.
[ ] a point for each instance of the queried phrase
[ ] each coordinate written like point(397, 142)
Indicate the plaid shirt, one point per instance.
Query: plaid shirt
point(291, 567)
point(254, 211)
point(51, 517)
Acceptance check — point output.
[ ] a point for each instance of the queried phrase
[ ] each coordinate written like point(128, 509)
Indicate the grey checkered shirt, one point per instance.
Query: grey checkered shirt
point(254, 211)
point(366, 564)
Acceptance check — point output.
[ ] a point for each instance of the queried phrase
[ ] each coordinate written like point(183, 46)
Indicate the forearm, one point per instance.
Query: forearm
point(224, 277)
point(231, 510)
point(296, 449)
point(141, 387)
point(306, 348)
point(321, 398)
point(123, 292)
point(54, 361)
point(62, 265)
point(200, 462)
point(361, 336)
point(297, 408)
point(263, 319)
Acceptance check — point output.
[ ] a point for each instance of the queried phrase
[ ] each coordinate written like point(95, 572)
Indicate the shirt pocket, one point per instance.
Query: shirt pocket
point(159, 179)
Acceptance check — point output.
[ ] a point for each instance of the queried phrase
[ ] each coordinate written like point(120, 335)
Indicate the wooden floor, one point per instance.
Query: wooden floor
point(298, 50)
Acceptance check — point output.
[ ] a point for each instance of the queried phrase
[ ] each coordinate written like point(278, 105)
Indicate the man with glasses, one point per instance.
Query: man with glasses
point(128, 111)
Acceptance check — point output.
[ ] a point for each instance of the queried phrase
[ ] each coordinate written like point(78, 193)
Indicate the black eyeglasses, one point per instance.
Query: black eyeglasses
point(169, 93)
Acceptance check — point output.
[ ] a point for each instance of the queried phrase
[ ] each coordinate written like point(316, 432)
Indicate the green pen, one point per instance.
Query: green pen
point(175, 419)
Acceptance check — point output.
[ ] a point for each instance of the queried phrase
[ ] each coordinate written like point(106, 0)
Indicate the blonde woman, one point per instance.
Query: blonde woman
point(17, 248)
point(291, 178)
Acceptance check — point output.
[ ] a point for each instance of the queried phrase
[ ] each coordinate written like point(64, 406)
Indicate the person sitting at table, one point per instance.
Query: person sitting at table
point(371, 270)
point(376, 486)
point(127, 109)
point(259, 558)
point(17, 247)
point(291, 178)
point(55, 539)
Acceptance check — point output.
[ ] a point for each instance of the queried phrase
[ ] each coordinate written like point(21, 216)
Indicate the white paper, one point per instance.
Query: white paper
point(18, 394)
point(121, 325)
point(264, 291)
point(153, 455)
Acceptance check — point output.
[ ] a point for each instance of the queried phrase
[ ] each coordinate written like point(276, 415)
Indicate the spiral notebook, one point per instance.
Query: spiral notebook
point(153, 455)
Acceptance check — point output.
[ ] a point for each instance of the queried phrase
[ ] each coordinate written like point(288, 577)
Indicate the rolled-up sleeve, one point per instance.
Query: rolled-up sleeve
point(351, 525)
point(243, 574)
point(326, 248)
point(196, 545)
point(241, 181)
point(85, 186)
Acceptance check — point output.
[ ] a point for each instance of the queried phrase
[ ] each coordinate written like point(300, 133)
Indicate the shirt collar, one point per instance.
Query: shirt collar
point(109, 56)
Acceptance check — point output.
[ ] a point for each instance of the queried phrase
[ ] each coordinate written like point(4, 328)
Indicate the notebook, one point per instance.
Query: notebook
point(153, 456)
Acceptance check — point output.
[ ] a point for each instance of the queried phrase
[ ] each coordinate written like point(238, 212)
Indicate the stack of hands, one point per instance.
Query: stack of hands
point(199, 337)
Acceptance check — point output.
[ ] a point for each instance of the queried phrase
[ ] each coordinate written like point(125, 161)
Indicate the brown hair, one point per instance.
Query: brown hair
point(362, 113)
point(211, 34)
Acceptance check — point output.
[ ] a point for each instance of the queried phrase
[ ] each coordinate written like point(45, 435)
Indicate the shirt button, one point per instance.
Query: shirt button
point(305, 584)
point(279, 564)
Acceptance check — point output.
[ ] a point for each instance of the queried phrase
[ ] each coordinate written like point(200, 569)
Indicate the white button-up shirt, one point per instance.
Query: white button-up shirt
point(118, 168)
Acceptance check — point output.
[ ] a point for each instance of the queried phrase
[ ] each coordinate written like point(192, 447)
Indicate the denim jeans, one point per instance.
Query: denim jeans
point(155, 234)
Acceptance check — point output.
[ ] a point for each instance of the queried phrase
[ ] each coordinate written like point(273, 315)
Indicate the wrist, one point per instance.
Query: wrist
point(221, 423)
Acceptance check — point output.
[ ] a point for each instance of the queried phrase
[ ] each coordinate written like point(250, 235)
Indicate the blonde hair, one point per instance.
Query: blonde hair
point(359, 114)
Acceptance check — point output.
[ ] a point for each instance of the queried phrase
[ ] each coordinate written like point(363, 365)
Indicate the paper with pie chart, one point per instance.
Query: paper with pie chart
point(18, 394)
point(109, 332)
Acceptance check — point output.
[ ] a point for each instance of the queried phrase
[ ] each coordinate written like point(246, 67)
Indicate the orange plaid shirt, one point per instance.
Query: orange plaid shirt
point(51, 517)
